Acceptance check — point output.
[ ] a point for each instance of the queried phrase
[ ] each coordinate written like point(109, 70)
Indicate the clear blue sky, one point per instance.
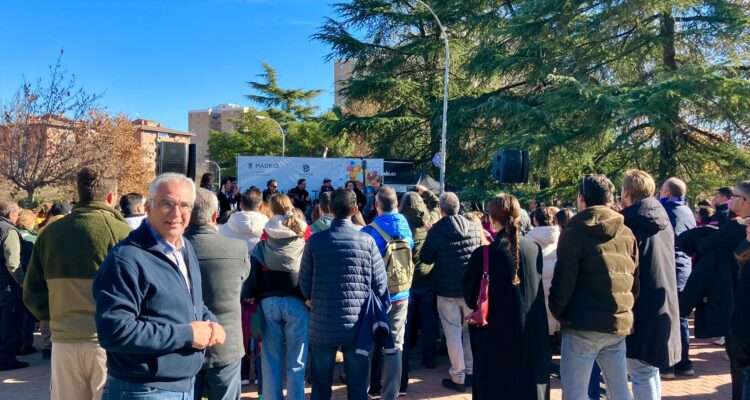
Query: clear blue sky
point(161, 58)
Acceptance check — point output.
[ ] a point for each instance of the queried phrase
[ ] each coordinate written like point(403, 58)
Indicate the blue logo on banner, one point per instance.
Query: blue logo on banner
point(305, 168)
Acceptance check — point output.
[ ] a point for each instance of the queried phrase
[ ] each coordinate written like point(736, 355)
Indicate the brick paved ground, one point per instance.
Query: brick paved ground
point(710, 382)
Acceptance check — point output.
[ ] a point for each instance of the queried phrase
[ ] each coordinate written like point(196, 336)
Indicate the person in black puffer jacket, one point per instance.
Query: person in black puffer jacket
point(448, 246)
point(710, 288)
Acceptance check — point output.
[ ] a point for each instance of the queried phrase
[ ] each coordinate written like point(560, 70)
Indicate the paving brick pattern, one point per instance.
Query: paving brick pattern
point(710, 382)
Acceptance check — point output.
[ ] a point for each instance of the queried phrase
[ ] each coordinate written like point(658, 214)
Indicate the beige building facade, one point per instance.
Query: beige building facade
point(201, 122)
point(150, 133)
point(342, 70)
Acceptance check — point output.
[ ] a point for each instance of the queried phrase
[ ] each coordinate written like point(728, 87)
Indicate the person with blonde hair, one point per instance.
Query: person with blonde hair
point(274, 281)
point(655, 339)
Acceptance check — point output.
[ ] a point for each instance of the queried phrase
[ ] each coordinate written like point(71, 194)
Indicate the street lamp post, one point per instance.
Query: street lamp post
point(283, 135)
point(218, 171)
point(444, 36)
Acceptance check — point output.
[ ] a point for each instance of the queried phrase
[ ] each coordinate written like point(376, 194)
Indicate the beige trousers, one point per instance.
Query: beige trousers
point(79, 371)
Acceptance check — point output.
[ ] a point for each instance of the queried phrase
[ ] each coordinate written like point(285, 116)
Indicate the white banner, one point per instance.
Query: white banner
point(258, 170)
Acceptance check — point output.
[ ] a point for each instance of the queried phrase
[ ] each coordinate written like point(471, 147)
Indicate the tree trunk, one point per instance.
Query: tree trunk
point(30, 193)
point(668, 148)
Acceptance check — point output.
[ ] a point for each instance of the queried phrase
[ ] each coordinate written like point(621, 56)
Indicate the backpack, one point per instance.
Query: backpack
point(398, 262)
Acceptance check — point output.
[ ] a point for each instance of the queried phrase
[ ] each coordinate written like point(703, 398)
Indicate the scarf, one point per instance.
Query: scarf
point(677, 200)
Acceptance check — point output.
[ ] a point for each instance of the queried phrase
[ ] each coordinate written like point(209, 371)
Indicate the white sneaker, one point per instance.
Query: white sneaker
point(720, 341)
point(245, 382)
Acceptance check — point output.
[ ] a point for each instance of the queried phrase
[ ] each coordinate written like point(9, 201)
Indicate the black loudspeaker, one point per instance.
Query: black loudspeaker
point(173, 157)
point(192, 160)
point(511, 166)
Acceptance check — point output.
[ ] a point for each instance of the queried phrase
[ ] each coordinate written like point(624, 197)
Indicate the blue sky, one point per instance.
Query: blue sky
point(159, 59)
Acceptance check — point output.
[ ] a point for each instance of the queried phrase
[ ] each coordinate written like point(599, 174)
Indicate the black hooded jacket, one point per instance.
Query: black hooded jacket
point(656, 326)
point(709, 290)
point(448, 246)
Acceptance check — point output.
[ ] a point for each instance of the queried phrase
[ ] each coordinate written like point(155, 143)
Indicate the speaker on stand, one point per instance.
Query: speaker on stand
point(192, 160)
point(173, 157)
point(511, 166)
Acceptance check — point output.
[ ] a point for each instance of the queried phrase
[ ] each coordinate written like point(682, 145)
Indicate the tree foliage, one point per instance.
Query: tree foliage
point(50, 129)
point(306, 135)
point(123, 155)
point(44, 132)
point(599, 85)
point(283, 105)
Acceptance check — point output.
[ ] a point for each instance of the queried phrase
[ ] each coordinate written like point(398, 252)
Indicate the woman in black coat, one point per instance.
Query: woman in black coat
point(512, 352)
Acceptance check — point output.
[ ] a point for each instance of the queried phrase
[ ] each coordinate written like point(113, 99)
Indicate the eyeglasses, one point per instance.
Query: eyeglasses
point(739, 195)
point(274, 186)
point(167, 205)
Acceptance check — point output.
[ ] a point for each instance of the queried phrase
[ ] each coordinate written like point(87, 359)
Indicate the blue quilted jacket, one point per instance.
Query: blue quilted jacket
point(339, 267)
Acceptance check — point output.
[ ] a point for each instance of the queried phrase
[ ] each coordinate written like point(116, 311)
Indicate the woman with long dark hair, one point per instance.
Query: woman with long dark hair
point(512, 352)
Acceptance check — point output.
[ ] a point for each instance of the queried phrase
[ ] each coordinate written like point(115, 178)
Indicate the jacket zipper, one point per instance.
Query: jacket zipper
point(176, 269)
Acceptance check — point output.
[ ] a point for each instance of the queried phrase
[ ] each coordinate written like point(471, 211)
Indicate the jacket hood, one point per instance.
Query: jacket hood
point(455, 227)
point(647, 214)
point(414, 209)
point(275, 228)
point(544, 235)
point(97, 207)
point(247, 222)
point(599, 221)
point(393, 224)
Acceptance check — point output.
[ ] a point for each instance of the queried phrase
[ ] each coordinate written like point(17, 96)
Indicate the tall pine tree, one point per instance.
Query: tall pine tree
point(598, 85)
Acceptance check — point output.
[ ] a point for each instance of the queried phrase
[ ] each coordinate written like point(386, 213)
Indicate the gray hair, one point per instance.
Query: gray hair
point(744, 186)
point(168, 177)
point(387, 198)
point(204, 208)
point(449, 203)
point(7, 207)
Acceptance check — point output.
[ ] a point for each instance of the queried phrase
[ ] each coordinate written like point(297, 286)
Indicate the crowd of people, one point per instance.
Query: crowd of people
point(181, 292)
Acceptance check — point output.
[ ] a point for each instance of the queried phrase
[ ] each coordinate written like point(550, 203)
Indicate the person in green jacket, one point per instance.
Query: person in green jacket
point(57, 288)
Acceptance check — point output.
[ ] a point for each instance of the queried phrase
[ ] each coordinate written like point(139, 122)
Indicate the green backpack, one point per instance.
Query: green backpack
point(398, 262)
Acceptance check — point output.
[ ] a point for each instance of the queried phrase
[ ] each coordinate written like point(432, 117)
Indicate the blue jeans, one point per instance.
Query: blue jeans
point(746, 389)
point(116, 389)
point(220, 383)
point(685, 363)
point(391, 364)
point(579, 351)
point(286, 320)
point(595, 390)
point(646, 380)
point(322, 360)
